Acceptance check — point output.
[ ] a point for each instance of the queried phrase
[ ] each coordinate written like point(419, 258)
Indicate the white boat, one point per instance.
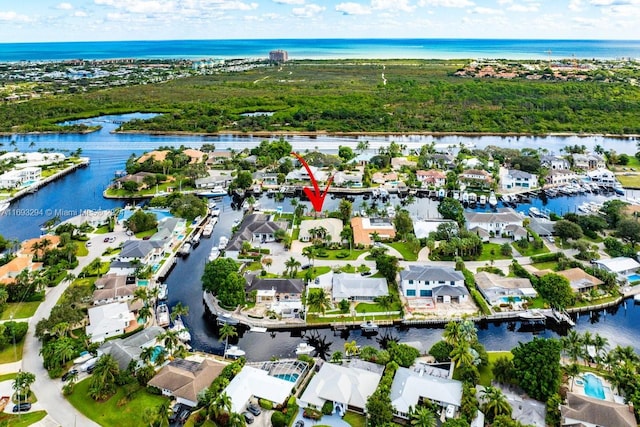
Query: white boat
point(483, 200)
point(493, 201)
point(211, 204)
point(618, 188)
point(214, 254)
point(207, 230)
point(84, 356)
point(391, 212)
point(234, 352)
point(257, 189)
point(163, 293)
point(304, 348)
point(456, 195)
point(181, 330)
point(185, 249)
point(369, 326)
point(214, 192)
point(224, 241)
point(636, 298)
point(465, 197)
point(4, 206)
point(506, 198)
point(383, 193)
point(473, 199)
point(533, 211)
point(215, 212)
point(162, 315)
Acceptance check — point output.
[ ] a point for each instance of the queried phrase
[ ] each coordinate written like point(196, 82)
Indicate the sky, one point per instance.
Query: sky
point(89, 20)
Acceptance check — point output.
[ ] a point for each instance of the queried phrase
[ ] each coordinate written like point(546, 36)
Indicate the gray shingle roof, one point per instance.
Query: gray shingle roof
point(515, 173)
point(288, 286)
point(254, 223)
point(431, 274)
point(492, 217)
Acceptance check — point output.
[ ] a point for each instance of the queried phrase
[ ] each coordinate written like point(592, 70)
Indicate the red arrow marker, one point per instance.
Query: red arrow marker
point(315, 196)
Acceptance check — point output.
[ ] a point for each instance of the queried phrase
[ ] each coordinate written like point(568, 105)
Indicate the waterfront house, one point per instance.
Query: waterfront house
point(301, 174)
point(580, 280)
point(431, 178)
point(274, 289)
point(253, 382)
point(20, 177)
point(30, 247)
point(270, 179)
point(441, 161)
point(195, 156)
point(472, 163)
point(581, 410)
point(561, 177)
point(440, 284)
point(620, 266)
point(412, 387)
point(327, 229)
point(493, 222)
point(348, 179)
point(499, 290)
point(144, 251)
point(215, 178)
point(109, 320)
point(384, 178)
point(602, 176)
point(113, 288)
point(365, 228)
point(153, 156)
point(588, 161)
point(348, 385)
point(422, 228)
point(218, 157)
point(513, 179)
point(13, 268)
point(184, 379)
point(138, 178)
point(123, 268)
point(169, 232)
point(254, 228)
point(354, 287)
point(124, 350)
point(398, 163)
point(553, 162)
point(476, 178)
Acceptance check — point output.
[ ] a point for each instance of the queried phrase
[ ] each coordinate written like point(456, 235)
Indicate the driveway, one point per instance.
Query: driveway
point(327, 420)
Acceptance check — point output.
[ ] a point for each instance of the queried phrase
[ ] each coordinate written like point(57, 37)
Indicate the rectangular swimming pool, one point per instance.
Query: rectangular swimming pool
point(633, 278)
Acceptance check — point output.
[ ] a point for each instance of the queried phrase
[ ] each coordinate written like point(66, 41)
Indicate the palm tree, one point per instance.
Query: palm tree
point(162, 414)
point(103, 380)
point(147, 354)
point(236, 420)
point(169, 339)
point(461, 354)
point(310, 253)
point(600, 345)
point(267, 262)
point(227, 331)
point(422, 417)
point(65, 349)
point(145, 312)
point(351, 348)
point(318, 300)
point(452, 333)
point(587, 341)
point(141, 294)
point(495, 403)
point(22, 383)
point(573, 371)
point(179, 310)
point(572, 345)
point(292, 265)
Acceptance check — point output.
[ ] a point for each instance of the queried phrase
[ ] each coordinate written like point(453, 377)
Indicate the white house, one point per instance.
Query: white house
point(493, 222)
point(354, 287)
point(602, 176)
point(498, 290)
point(254, 382)
point(410, 387)
point(110, 320)
point(621, 266)
point(561, 176)
point(511, 179)
point(301, 174)
point(588, 161)
point(145, 251)
point(17, 177)
point(442, 284)
point(554, 162)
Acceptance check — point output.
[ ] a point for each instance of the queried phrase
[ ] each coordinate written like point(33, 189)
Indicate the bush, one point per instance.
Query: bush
point(311, 413)
point(327, 408)
point(278, 419)
point(265, 404)
point(342, 254)
point(548, 257)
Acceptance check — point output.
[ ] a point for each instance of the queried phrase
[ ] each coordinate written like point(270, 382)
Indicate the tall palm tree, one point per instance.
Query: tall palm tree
point(22, 383)
point(318, 300)
point(573, 371)
point(179, 310)
point(452, 333)
point(351, 348)
point(145, 312)
point(587, 341)
point(169, 339)
point(600, 345)
point(495, 403)
point(292, 265)
point(461, 354)
point(310, 253)
point(572, 345)
point(236, 420)
point(227, 331)
point(422, 417)
point(162, 414)
point(147, 354)
point(103, 380)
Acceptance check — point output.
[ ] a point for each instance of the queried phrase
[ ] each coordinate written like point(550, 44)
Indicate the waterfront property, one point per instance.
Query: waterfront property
point(349, 384)
point(499, 290)
point(431, 178)
point(580, 280)
point(561, 177)
point(109, 320)
point(365, 228)
point(124, 350)
point(354, 287)
point(584, 410)
point(321, 228)
point(440, 284)
point(513, 179)
point(113, 288)
point(413, 386)
point(184, 379)
point(254, 228)
point(494, 222)
point(272, 290)
point(620, 266)
point(144, 251)
point(588, 161)
point(476, 178)
point(257, 383)
point(554, 162)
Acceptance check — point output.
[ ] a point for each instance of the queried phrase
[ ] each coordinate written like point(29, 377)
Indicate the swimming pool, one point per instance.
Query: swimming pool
point(160, 214)
point(509, 300)
point(143, 282)
point(633, 278)
point(156, 352)
point(292, 378)
point(593, 386)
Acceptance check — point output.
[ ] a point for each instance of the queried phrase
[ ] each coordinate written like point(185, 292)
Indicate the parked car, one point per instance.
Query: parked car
point(68, 374)
point(91, 368)
point(248, 418)
point(305, 267)
point(184, 415)
point(366, 273)
point(299, 423)
point(254, 409)
point(89, 244)
point(106, 240)
point(22, 407)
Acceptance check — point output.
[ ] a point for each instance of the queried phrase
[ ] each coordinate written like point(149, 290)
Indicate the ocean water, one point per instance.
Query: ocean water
point(323, 49)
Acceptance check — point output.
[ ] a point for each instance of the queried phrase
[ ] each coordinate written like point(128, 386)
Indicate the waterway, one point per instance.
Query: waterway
point(109, 152)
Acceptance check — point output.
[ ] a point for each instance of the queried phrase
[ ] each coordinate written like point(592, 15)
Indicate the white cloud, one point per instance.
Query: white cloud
point(446, 3)
point(79, 14)
point(586, 22)
point(289, 1)
point(351, 8)
point(575, 5)
point(12, 16)
point(307, 11)
point(530, 7)
point(486, 11)
point(64, 6)
point(503, 2)
point(402, 5)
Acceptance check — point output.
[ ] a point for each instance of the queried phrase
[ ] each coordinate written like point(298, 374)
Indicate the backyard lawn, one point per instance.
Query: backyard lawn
point(336, 254)
point(21, 420)
point(404, 250)
point(530, 251)
point(366, 307)
point(355, 420)
point(12, 353)
point(147, 233)
point(20, 310)
point(550, 265)
point(486, 374)
point(491, 251)
point(110, 413)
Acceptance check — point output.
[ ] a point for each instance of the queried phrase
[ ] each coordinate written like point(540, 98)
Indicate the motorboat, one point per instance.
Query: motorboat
point(215, 212)
point(181, 330)
point(195, 240)
point(224, 241)
point(493, 201)
point(162, 315)
point(391, 212)
point(473, 199)
point(223, 319)
point(163, 293)
point(185, 249)
point(441, 193)
point(214, 254)
point(618, 188)
point(304, 348)
point(217, 191)
point(207, 230)
point(483, 200)
point(535, 212)
point(369, 326)
point(636, 298)
point(234, 352)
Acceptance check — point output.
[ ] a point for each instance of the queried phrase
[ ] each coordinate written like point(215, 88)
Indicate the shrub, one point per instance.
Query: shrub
point(278, 419)
point(311, 413)
point(342, 254)
point(265, 404)
point(548, 257)
point(327, 408)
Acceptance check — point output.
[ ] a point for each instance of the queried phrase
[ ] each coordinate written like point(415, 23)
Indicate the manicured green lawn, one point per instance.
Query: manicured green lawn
point(101, 230)
point(108, 413)
point(404, 251)
point(12, 353)
point(487, 255)
point(81, 249)
point(332, 254)
point(531, 250)
point(316, 271)
point(20, 310)
point(486, 374)
point(551, 265)
point(316, 318)
point(22, 420)
point(366, 307)
point(355, 420)
point(629, 180)
point(7, 377)
point(144, 234)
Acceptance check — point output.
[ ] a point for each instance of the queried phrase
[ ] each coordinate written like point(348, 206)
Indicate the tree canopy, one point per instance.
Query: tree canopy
point(537, 367)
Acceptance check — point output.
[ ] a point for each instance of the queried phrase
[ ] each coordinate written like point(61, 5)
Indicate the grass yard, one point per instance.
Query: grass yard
point(486, 374)
point(355, 420)
point(109, 413)
point(20, 310)
point(629, 179)
point(316, 271)
point(372, 307)
point(147, 233)
point(81, 249)
point(487, 255)
point(332, 254)
point(550, 265)
point(8, 377)
point(12, 353)
point(404, 250)
point(101, 230)
point(530, 250)
point(316, 319)
point(22, 420)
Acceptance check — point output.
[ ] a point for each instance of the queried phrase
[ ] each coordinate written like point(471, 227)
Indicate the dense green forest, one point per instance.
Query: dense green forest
point(349, 96)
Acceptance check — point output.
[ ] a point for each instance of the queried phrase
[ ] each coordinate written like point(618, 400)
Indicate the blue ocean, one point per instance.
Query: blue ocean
point(324, 49)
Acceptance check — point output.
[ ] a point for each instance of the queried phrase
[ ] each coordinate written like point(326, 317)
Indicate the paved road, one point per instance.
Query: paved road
point(49, 391)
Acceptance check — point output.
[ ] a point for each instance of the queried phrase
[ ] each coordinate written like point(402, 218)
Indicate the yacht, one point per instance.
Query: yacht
point(214, 254)
point(535, 212)
point(185, 249)
point(441, 193)
point(215, 212)
point(369, 327)
point(304, 348)
point(473, 199)
point(163, 293)
point(493, 201)
point(234, 352)
point(162, 315)
point(224, 241)
point(207, 230)
point(223, 319)
point(465, 198)
point(483, 200)
point(391, 212)
point(181, 330)
point(618, 188)
point(217, 191)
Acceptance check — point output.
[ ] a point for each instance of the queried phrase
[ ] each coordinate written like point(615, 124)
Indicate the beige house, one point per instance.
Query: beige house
point(184, 379)
point(332, 227)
